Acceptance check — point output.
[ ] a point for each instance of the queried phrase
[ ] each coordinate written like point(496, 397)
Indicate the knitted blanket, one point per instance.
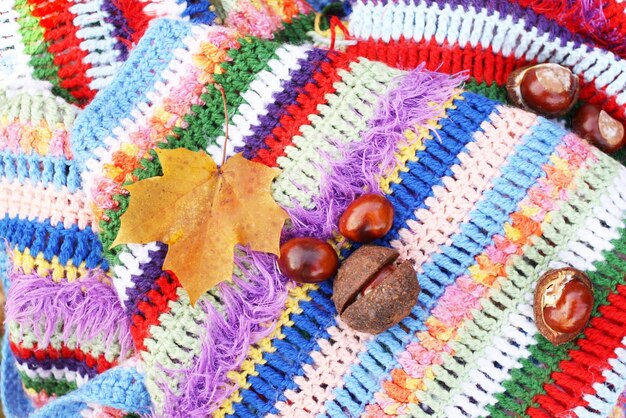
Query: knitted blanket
point(487, 198)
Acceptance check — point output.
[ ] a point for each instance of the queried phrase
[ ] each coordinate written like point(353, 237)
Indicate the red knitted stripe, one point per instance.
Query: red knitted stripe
point(608, 33)
point(585, 364)
point(64, 45)
point(481, 63)
point(135, 16)
point(156, 303)
point(297, 115)
point(100, 363)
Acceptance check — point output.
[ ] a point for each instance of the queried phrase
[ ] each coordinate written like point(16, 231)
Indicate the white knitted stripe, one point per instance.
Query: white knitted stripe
point(165, 8)
point(453, 201)
point(131, 260)
point(97, 39)
point(15, 72)
point(38, 202)
point(595, 236)
point(469, 26)
point(337, 122)
point(607, 393)
point(505, 349)
point(258, 96)
point(53, 373)
point(331, 362)
point(143, 112)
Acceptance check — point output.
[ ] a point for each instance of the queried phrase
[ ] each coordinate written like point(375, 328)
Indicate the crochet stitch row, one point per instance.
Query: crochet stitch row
point(487, 39)
point(524, 209)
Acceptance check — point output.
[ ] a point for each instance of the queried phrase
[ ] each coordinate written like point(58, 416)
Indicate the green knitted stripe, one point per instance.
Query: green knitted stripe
point(173, 345)
point(590, 185)
point(493, 91)
point(36, 46)
point(36, 107)
point(95, 346)
point(302, 168)
point(50, 386)
point(205, 124)
point(528, 381)
point(296, 32)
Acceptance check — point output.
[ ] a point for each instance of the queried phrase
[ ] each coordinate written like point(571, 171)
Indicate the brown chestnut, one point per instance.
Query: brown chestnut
point(548, 89)
point(367, 218)
point(308, 260)
point(563, 304)
point(372, 291)
point(598, 127)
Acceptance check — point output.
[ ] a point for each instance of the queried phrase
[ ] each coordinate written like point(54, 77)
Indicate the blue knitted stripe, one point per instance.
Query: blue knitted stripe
point(292, 353)
point(41, 237)
point(130, 87)
point(4, 269)
point(521, 171)
point(435, 162)
point(198, 11)
point(36, 169)
point(276, 375)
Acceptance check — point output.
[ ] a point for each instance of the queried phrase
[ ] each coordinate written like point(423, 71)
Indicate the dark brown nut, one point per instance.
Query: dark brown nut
point(372, 292)
point(563, 304)
point(598, 127)
point(548, 89)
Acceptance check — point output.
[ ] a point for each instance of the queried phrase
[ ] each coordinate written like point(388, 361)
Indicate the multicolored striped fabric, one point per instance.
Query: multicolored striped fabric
point(73, 48)
point(487, 198)
point(69, 338)
point(489, 39)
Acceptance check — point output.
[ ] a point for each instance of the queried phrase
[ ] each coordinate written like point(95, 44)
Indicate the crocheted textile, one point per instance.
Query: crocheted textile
point(490, 39)
point(486, 197)
point(65, 322)
point(74, 48)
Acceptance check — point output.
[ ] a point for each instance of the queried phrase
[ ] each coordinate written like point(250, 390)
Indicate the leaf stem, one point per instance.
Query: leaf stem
point(221, 89)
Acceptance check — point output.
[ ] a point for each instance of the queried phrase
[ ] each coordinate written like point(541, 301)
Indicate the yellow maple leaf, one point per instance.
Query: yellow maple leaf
point(201, 213)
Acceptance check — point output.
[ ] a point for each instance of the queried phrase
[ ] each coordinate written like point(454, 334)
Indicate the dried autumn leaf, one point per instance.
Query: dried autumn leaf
point(201, 213)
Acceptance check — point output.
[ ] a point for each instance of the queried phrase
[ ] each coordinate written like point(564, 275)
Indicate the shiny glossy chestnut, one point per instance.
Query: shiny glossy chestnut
point(367, 218)
point(308, 260)
point(548, 89)
point(563, 304)
point(598, 127)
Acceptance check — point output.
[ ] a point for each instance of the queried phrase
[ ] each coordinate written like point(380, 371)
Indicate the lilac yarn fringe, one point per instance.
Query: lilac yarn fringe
point(252, 306)
point(364, 162)
point(85, 309)
point(251, 309)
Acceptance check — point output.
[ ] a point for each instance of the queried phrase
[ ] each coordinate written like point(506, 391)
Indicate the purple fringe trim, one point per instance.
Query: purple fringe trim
point(251, 309)
point(363, 163)
point(85, 309)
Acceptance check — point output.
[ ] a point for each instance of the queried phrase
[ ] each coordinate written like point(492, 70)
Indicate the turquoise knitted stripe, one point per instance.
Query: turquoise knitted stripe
point(487, 219)
point(521, 273)
point(135, 81)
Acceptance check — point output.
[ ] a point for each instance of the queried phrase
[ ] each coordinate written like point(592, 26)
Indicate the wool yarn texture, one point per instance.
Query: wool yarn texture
point(490, 39)
point(487, 198)
point(54, 58)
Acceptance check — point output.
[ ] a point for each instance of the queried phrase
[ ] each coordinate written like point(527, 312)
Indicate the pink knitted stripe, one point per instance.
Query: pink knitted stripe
point(452, 203)
point(19, 137)
point(38, 202)
point(464, 297)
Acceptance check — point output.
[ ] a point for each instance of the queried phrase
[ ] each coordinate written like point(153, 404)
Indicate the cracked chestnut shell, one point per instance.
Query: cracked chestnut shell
point(372, 292)
point(598, 127)
point(547, 89)
point(563, 304)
